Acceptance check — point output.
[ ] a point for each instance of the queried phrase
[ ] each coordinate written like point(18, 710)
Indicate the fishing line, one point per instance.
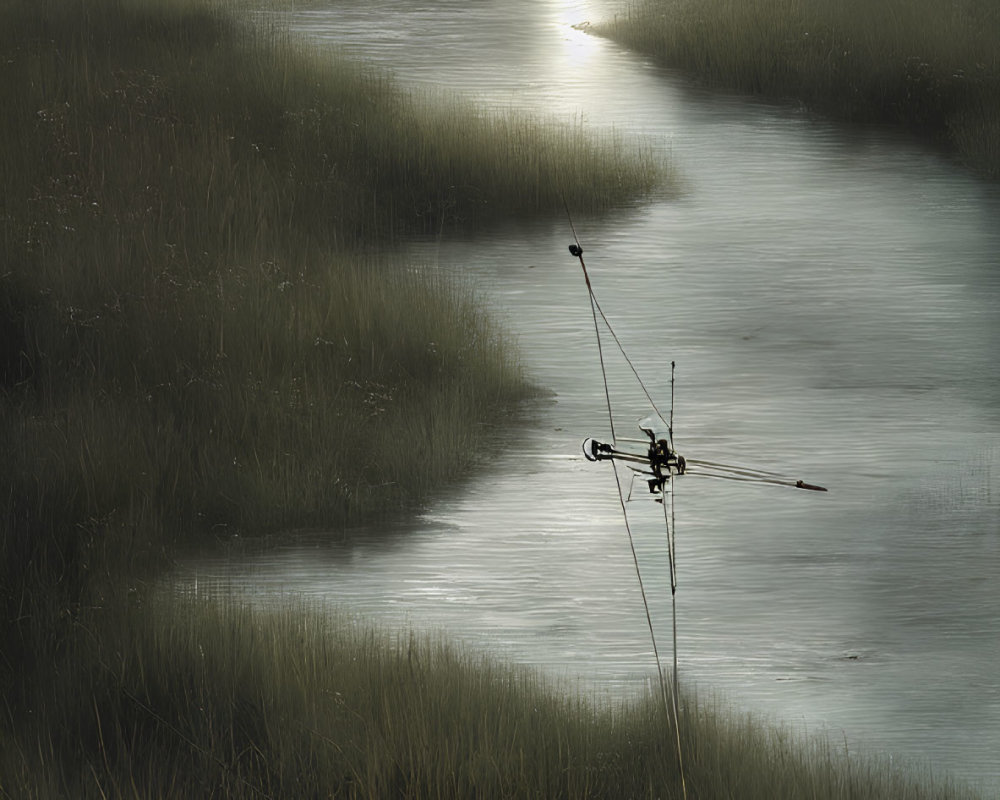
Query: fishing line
point(735, 468)
point(600, 349)
point(723, 477)
point(671, 527)
point(671, 524)
point(713, 469)
point(642, 588)
point(669, 698)
point(595, 308)
point(614, 336)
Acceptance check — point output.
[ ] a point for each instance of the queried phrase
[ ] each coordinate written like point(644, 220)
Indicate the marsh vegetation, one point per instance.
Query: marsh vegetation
point(928, 65)
point(204, 329)
point(201, 328)
point(190, 698)
point(204, 332)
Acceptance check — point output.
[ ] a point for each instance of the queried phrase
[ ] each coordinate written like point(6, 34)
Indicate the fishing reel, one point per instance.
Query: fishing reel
point(594, 450)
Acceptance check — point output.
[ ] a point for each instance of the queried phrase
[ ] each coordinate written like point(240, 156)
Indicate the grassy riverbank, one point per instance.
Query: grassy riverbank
point(192, 337)
point(197, 336)
point(198, 699)
point(932, 66)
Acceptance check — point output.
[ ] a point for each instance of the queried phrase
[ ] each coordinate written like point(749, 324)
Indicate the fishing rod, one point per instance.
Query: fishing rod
point(599, 451)
point(659, 464)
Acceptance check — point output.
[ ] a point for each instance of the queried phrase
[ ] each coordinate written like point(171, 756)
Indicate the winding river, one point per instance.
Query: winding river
point(831, 295)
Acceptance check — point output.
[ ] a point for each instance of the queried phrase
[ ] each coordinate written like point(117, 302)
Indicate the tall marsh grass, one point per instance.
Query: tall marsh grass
point(930, 65)
point(195, 332)
point(201, 330)
point(188, 698)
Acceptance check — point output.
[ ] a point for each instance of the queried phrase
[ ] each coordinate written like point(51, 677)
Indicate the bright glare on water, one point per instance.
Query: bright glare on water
point(831, 296)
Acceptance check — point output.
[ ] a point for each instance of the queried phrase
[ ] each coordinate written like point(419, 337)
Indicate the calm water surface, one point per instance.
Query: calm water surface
point(831, 296)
